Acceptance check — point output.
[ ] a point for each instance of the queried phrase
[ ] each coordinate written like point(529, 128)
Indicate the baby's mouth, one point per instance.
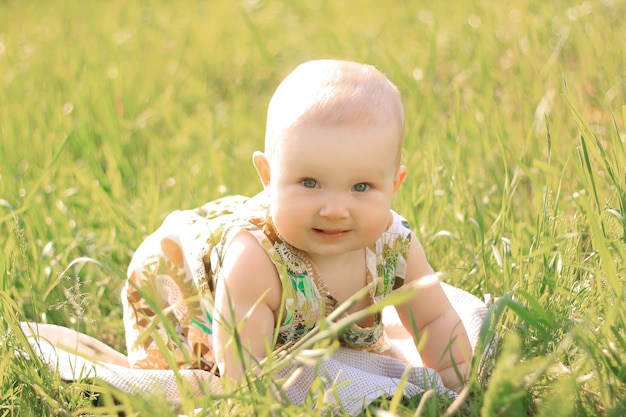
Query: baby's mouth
point(330, 233)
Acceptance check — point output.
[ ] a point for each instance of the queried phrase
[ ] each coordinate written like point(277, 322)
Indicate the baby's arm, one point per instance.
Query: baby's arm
point(247, 294)
point(444, 341)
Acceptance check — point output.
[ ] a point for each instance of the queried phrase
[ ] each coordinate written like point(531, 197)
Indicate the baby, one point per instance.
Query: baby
point(321, 230)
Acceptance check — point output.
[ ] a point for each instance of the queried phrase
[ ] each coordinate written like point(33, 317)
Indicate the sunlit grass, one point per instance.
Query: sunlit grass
point(113, 114)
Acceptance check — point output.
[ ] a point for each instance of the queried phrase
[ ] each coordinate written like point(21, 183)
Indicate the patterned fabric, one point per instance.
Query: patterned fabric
point(168, 296)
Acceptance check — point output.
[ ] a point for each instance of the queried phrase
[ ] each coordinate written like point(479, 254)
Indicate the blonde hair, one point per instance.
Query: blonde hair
point(333, 92)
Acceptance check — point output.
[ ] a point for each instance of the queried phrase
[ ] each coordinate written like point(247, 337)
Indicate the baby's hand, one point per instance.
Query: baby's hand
point(450, 376)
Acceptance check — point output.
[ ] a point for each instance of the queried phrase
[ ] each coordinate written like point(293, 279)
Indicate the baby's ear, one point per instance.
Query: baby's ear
point(262, 165)
point(400, 177)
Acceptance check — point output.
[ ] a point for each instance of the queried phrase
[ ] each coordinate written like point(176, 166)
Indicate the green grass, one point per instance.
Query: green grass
point(114, 113)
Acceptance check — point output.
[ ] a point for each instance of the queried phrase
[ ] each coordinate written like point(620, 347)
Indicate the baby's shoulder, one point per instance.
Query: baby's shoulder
point(248, 273)
point(245, 257)
point(244, 243)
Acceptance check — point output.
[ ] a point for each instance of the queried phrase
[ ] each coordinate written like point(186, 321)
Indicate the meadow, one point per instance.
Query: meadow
point(113, 114)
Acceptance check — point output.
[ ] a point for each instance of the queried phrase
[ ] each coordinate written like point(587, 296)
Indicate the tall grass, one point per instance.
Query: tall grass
point(113, 114)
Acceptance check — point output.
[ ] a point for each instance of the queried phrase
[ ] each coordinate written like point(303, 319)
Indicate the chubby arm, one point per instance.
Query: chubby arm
point(247, 295)
point(444, 342)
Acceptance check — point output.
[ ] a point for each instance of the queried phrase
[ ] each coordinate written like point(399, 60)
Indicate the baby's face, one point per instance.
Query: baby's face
point(331, 186)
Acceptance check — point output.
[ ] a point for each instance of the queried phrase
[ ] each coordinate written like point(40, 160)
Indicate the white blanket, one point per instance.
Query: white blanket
point(358, 377)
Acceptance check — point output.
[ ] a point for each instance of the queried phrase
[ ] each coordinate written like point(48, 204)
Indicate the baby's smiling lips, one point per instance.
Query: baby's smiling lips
point(330, 234)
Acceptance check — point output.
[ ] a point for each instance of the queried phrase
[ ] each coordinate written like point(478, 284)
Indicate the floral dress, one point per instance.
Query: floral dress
point(168, 296)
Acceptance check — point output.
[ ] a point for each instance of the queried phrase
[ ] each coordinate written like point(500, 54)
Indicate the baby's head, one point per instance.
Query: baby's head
point(332, 93)
point(332, 156)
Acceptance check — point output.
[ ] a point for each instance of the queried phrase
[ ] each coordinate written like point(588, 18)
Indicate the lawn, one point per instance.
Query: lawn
point(113, 114)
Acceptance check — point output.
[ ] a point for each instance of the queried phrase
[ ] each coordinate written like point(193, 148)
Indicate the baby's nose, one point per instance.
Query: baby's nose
point(334, 207)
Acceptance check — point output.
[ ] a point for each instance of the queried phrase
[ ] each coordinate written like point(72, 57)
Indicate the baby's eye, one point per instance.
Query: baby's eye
point(309, 183)
point(361, 187)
